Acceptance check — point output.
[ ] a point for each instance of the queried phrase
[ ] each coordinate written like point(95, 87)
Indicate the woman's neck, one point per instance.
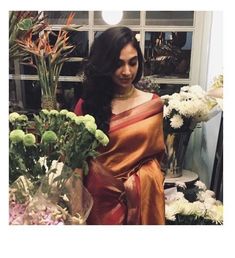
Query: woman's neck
point(124, 93)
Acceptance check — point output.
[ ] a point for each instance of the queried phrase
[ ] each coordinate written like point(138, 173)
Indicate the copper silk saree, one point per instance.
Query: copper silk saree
point(125, 180)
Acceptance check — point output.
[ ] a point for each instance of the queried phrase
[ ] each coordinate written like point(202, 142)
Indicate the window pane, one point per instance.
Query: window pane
point(169, 88)
point(60, 17)
point(129, 18)
point(169, 18)
point(68, 94)
point(72, 68)
point(167, 54)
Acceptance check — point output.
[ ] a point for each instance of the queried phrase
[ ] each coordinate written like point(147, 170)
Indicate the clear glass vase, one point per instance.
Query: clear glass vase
point(176, 145)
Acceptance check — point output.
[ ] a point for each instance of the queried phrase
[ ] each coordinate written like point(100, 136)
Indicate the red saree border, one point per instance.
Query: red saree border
point(136, 114)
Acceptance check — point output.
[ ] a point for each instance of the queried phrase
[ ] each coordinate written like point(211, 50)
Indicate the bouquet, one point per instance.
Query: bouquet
point(47, 161)
point(196, 206)
point(183, 110)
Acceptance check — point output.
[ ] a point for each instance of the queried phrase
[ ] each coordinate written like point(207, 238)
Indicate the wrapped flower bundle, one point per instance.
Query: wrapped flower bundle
point(47, 160)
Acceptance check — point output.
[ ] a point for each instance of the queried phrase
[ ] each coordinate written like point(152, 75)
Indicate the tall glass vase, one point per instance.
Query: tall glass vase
point(176, 146)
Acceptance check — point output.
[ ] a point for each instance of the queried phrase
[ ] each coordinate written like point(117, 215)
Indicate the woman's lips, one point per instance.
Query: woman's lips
point(125, 80)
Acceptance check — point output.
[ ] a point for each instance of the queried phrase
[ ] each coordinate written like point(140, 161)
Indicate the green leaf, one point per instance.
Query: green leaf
point(25, 24)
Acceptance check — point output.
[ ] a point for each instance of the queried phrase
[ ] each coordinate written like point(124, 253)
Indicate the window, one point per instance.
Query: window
point(169, 41)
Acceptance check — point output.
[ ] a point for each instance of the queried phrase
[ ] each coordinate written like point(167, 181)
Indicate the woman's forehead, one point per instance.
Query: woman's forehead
point(128, 52)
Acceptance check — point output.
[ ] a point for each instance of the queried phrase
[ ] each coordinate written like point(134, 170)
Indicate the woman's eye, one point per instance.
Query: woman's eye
point(133, 63)
point(119, 64)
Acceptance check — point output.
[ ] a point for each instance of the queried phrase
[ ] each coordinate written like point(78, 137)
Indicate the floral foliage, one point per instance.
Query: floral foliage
point(197, 208)
point(43, 155)
point(47, 58)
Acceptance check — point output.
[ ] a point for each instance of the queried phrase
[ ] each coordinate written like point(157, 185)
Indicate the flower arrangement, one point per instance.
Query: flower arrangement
point(47, 160)
point(198, 207)
point(21, 25)
point(183, 110)
point(48, 59)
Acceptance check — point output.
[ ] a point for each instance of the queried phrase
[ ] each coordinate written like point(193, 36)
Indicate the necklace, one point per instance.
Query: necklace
point(125, 95)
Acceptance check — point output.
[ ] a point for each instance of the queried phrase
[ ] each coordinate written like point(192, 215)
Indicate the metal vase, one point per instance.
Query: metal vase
point(176, 145)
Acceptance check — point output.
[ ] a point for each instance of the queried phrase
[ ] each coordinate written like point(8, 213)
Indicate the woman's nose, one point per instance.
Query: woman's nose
point(126, 70)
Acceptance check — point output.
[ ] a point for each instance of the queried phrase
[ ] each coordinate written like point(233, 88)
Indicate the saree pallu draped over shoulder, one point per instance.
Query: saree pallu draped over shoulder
point(125, 180)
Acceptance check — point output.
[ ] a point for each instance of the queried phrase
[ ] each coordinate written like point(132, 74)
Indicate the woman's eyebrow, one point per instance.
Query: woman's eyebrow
point(131, 59)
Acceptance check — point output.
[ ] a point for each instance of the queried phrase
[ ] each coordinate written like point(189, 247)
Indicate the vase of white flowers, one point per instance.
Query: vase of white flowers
point(182, 112)
point(176, 145)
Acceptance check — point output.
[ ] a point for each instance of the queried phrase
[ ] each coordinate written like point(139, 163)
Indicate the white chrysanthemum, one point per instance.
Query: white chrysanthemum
point(170, 213)
point(210, 193)
point(215, 214)
point(180, 184)
point(176, 121)
point(184, 88)
point(199, 209)
point(188, 108)
point(200, 185)
point(188, 209)
point(165, 97)
point(166, 111)
point(174, 104)
point(197, 91)
point(174, 207)
point(209, 202)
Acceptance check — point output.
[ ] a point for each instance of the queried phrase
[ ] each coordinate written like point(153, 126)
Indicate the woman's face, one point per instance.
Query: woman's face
point(127, 67)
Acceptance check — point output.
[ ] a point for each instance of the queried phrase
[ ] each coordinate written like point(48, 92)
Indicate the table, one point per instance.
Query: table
point(188, 177)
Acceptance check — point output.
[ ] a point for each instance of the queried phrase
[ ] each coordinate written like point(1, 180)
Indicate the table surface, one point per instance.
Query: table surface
point(187, 177)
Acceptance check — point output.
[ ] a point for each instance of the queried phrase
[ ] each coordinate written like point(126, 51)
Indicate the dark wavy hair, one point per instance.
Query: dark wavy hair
point(98, 90)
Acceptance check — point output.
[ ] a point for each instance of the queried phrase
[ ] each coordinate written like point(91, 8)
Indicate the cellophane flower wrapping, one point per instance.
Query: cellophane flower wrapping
point(47, 166)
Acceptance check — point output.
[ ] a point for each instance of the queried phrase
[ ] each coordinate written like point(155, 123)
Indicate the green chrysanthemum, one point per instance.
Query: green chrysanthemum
point(89, 118)
point(53, 112)
point(45, 111)
point(13, 116)
point(17, 135)
point(79, 119)
point(71, 115)
point(64, 112)
point(91, 126)
point(29, 139)
point(22, 118)
point(49, 137)
point(101, 137)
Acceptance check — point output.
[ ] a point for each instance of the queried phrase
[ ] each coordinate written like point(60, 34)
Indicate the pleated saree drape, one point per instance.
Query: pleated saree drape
point(125, 180)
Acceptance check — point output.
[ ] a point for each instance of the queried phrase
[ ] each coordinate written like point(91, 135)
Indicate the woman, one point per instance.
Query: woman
point(125, 181)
